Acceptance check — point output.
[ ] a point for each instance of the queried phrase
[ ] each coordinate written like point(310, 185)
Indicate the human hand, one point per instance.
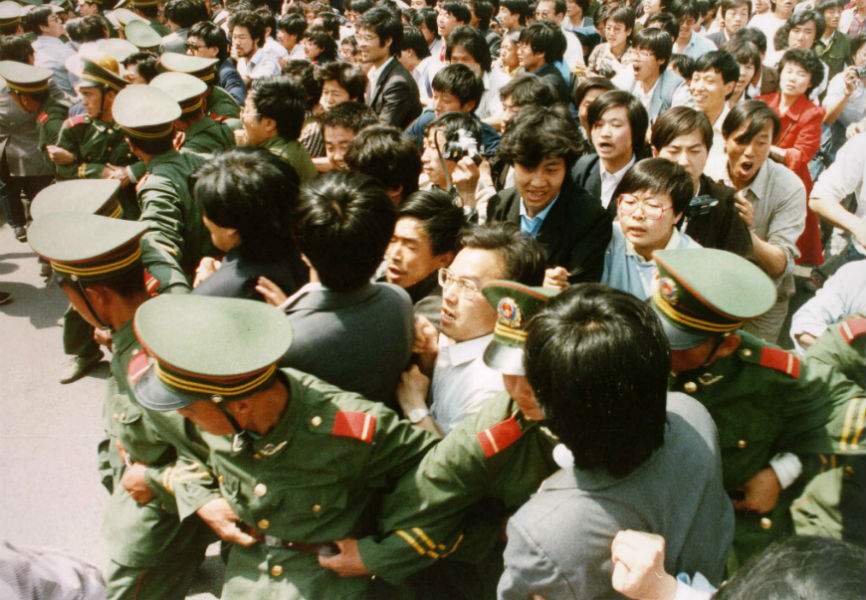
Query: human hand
point(465, 179)
point(556, 278)
point(134, 483)
point(806, 340)
point(60, 156)
point(412, 389)
point(851, 80)
point(745, 209)
point(761, 492)
point(348, 562)
point(638, 561)
point(220, 517)
point(426, 337)
point(102, 337)
point(270, 291)
point(207, 266)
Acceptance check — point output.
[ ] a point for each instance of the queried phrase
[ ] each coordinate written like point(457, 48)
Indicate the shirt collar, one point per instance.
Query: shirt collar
point(463, 352)
point(617, 175)
point(541, 215)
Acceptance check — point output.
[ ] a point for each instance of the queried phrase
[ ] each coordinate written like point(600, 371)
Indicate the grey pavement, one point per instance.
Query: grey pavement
point(51, 495)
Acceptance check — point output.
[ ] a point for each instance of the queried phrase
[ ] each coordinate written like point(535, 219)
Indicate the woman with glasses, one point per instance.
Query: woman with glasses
point(616, 26)
point(650, 201)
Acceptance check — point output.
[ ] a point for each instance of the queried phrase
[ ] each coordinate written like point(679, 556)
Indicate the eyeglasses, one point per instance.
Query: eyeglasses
point(629, 203)
point(465, 287)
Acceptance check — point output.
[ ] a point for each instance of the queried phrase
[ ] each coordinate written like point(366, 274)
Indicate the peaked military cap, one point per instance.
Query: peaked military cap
point(116, 48)
point(125, 16)
point(10, 12)
point(187, 90)
point(704, 291)
point(142, 35)
point(102, 71)
point(89, 196)
point(201, 67)
point(85, 247)
point(515, 305)
point(205, 348)
point(143, 3)
point(24, 78)
point(145, 112)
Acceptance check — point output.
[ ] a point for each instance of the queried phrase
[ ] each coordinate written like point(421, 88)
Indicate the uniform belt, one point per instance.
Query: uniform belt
point(314, 549)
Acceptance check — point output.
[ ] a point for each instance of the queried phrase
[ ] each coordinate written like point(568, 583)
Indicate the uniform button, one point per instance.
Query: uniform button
point(221, 479)
point(317, 508)
point(849, 471)
point(766, 523)
point(742, 444)
point(263, 524)
point(690, 387)
point(276, 571)
point(316, 421)
point(260, 490)
point(257, 456)
point(745, 353)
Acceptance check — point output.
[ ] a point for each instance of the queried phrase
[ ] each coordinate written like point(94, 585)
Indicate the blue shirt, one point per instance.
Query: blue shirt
point(698, 46)
point(531, 226)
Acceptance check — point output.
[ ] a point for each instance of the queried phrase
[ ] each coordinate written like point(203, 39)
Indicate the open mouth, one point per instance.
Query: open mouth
point(448, 316)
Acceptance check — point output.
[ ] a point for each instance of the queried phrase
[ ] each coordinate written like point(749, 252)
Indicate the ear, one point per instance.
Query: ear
point(729, 88)
point(100, 298)
point(729, 345)
point(470, 106)
point(655, 153)
point(269, 124)
point(440, 261)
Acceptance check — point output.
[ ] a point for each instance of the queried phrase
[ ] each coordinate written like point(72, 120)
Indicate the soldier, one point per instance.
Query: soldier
point(142, 35)
point(10, 18)
point(297, 460)
point(220, 105)
point(152, 553)
point(774, 414)
point(197, 132)
point(178, 237)
point(501, 453)
point(149, 10)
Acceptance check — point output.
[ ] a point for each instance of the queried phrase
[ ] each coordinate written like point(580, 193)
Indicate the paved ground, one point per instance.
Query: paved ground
point(48, 432)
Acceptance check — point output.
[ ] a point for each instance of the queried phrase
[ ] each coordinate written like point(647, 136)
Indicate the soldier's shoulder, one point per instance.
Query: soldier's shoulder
point(76, 121)
point(852, 328)
point(768, 357)
point(497, 426)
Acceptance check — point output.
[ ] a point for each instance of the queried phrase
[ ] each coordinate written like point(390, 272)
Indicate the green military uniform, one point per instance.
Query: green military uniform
point(763, 400)
point(220, 104)
point(152, 553)
point(306, 482)
point(293, 154)
point(836, 54)
point(29, 80)
point(50, 119)
point(177, 239)
point(456, 501)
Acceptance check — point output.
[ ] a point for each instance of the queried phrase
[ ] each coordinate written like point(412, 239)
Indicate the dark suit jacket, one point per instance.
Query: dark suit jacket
point(574, 234)
point(586, 175)
point(230, 80)
point(237, 276)
point(551, 74)
point(395, 99)
point(721, 227)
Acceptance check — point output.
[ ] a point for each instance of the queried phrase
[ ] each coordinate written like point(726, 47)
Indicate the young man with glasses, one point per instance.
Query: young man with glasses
point(207, 40)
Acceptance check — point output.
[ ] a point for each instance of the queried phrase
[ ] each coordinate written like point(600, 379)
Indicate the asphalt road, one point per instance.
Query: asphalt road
point(50, 494)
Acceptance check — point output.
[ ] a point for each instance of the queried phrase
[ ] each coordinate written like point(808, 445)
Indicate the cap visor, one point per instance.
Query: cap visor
point(680, 339)
point(151, 393)
point(508, 360)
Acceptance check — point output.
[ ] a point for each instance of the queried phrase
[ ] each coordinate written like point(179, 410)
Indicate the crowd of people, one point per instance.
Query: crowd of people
point(460, 298)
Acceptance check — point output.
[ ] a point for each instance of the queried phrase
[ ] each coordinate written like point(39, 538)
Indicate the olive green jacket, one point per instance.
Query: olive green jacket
point(95, 144)
point(294, 154)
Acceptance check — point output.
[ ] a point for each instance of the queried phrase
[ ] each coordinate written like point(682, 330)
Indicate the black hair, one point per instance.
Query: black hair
point(754, 112)
point(185, 13)
point(414, 40)
point(828, 4)
point(856, 42)
point(147, 64)
point(267, 17)
point(575, 351)
point(87, 29)
point(382, 152)
point(212, 36)
point(544, 37)
point(796, 19)
point(326, 43)
point(686, 8)
point(427, 17)
point(659, 176)
point(744, 52)
point(253, 23)
point(360, 6)
point(384, 24)
point(281, 99)
point(619, 14)
point(682, 64)
point(473, 42)
point(483, 11)
point(348, 115)
point(441, 219)
point(329, 22)
point(454, 124)
point(153, 147)
point(524, 257)
point(726, 5)
point(585, 84)
point(350, 77)
point(36, 18)
point(457, 9)
point(16, 47)
point(809, 61)
point(521, 8)
point(460, 81)
point(721, 61)
point(127, 283)
point(657, 41)
point(681, 120)
point(751, 34)
point(249, 189)
point(538, 133)
point(292, 24)
point(638, 118)
point(343, 226)
point(526, 89)
point(666, 22)
point(303, 73)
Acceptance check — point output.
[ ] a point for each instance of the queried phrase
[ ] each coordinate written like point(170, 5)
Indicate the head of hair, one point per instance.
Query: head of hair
point(483, 11)
point(587, 84)
point(185, 13)
point(575, 351)
point(527, 89)
point(682, 64)
point(546, 38)
point(828, 4)
point(252, 22)
point(754, 113)
point(292, 24)
point(37, 18)
point(426, 17)
point(16, 47)
point(343, 225)
point(809, 61)
point(440, 217)
point(281, 99)
point(521, 8)
point(385, 25)
point(751, 34)
point(87, 29)
point(414, 40)
point(458, 10)
point(211, 36)
point(666, 22)
point(326, 43)
point(303, 73)
point(687, 8)
point(353, 116)
point(539, 133)
point(472, 41)
point(329, 22)
point(460, 81)
point(657, 41)
point(681, 120)
point(797, 19)
point(153, 147)
point(721, 61)
point(360, 6)
point(267, 17)
point(659, 176)
point(147, 64)
point(523, 256)
point(638, 118)
point(382, 152)
point(618, 13)
point(726, 5)
point(128, 283)
point(856, 42)
point(350, 77)
point(454, 124)
point(744, 52)
point(248, 189)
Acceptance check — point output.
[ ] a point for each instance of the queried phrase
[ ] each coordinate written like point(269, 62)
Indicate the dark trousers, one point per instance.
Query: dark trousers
point(30, 186)
point(78, 335)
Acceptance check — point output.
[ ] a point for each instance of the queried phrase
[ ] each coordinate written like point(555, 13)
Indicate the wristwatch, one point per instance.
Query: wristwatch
point(417, 414)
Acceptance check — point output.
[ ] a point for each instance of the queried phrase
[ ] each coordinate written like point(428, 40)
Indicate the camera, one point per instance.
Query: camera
point(700, 205)
point(463, 145)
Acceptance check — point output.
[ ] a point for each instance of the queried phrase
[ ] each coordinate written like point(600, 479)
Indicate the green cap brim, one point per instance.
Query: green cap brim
point(679, 338)
point(153, 394)
point(508, 360)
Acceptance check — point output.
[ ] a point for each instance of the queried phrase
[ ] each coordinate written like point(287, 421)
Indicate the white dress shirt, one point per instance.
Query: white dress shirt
point(261, 64)
point(52, 53)
point(609, 181)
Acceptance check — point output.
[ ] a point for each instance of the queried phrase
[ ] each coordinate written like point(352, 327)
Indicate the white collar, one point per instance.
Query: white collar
point(619, 174)
point(458, 353)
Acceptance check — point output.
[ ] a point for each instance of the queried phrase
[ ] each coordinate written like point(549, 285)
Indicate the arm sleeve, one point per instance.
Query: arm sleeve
point(588, 253)
point(396, 103)
point(528, 570)
point(788, 220)
point(162, 245)
point(837, 299)
point(845, 175)
point(234, 85)
point(806, 144)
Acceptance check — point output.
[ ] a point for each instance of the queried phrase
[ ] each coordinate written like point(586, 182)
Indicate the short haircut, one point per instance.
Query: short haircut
point(155, 146)
point(799, 18)
point(521, 8)
point(457, 9)
point(546, 38)
point(127, 283)
point(269, 21)
point(828, 4)
point(329, 22)
point(598, 361)
point(281, 99)
point(292, 24)
point(638, 118)
point(147, 64)
point(686, 8)
point(745, 53)
point(681, 120)
point(414, 40)
point(618, 13)
point(657, 41)
point(558, 6)
point(473, 42)
point(682, 64)
point(185, 13)
point(721, 61)
point(586, 84)
point(248, 189)
point(304, 74)
point(441, 219)
point(360, 6)
point(350, 77)
point(659, 176)
point(461, 81)
point(483, 11)
point(666, 22)
point(353, 116)
point(326, 43)
point(343, 226)
point(36, 18)
point(382, 152)
point(453, 125)
point(539, 133)
point(253, 23)
point(756, 114)
point(809, 61)
point(726, 5)
point(384, 24)
point(211, 36)
point(16, 47)
point(751, 34)
point(427, 17)
point(523, 256)
point(856, 43)
point(527, 89)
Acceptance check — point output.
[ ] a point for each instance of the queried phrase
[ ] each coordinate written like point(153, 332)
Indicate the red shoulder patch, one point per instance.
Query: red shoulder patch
point(356, 425)
point(218, 118)
point(137, 367)
point(499, 437)
point(851, 329)
point(151, 284)
point(76, 120)
point(43, 117)
point(779, 360)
